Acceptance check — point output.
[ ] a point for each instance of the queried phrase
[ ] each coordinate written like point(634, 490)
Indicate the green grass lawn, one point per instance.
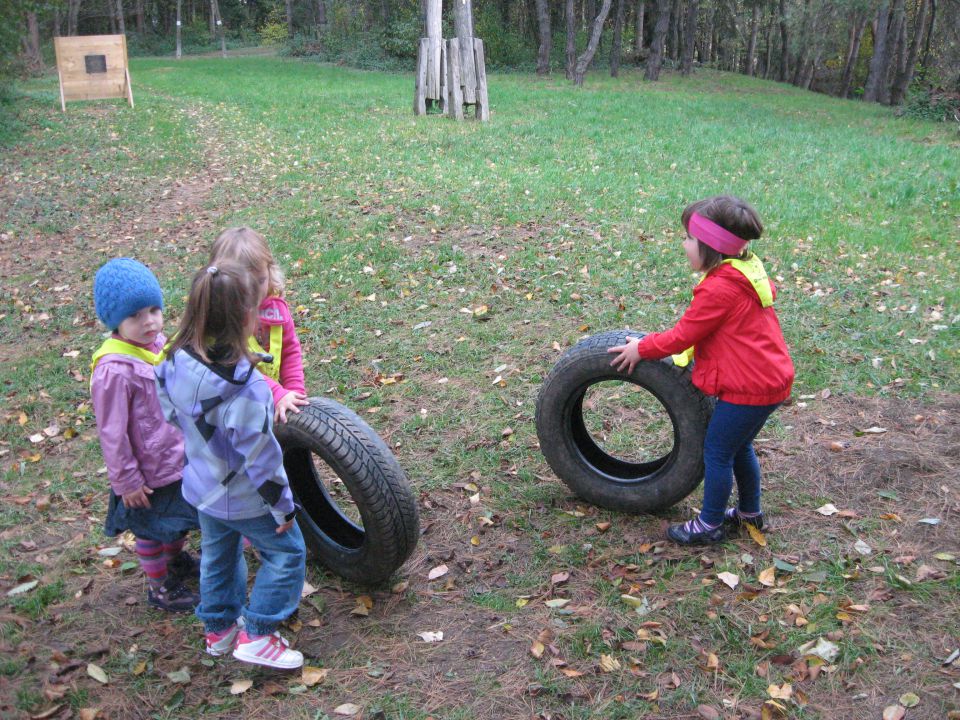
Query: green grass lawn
point(561, 215)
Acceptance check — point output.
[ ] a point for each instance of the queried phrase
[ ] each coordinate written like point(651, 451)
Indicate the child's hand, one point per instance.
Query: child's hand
point(281, 529)
point(290, 402)
point(138, 498)
point(628, 355)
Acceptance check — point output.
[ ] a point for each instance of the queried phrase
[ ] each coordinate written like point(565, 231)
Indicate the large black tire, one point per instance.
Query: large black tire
point(587, 469)
point(368, 551)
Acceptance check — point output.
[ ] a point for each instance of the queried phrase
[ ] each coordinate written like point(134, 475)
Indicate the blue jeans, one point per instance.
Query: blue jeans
point(728, 453)
point(223, 573)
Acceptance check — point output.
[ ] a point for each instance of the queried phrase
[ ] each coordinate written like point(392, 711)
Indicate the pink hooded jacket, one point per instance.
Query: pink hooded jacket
point(274, 311)
point(139, 446)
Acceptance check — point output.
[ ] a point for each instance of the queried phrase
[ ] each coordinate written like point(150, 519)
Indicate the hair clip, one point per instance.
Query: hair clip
point(212, 270)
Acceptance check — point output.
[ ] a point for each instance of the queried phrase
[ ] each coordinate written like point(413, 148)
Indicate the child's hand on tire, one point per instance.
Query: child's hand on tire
point(291, 402)
point(628, 355)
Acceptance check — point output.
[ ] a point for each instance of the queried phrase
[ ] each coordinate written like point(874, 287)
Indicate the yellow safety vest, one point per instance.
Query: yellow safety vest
point(270, 369)
point(754, 271)
point(113, 346)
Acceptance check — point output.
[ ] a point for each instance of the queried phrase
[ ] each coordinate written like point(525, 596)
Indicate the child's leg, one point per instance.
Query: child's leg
point(729, 437)
point(153, 562)
point(746, 468)
point(276, 590)
point(223, 574)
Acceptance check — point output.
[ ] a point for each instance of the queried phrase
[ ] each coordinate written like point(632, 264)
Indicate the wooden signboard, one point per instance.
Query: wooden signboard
point(92, 67)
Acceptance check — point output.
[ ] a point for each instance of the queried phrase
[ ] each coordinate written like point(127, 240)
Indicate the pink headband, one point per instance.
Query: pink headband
point(709, 233)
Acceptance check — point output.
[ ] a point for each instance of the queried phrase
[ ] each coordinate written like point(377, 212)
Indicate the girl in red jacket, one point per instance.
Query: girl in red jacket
point(734, 336)
point(276, 335)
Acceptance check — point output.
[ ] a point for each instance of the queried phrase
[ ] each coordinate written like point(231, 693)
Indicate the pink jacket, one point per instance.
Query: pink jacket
point(139, 446)
point(274, 311)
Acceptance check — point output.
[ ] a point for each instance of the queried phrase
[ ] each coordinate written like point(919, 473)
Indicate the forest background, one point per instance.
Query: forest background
point(897, 52)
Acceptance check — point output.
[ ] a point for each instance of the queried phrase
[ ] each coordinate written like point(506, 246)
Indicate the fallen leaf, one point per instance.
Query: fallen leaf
point(239, 687)
point(97, 673)
point(821, 648)
point(756, 534)
point(729, 579)
point(894, 712)
point(48, 713)
point(181, 676)
point(560, 577)
point(537, 648)
point(707, 712)
point(608, 663)
point(861, 547)
point(928, 521)
point(557, 602)
point(347, 709)
point(874, 430)
point(89, 713)
point(431, 636)
point(828, 509)
point(438, 571)
point(313, 675)
point(767, 577)
point(22, 588)
point(782, 692)
point(603, 526)
point(909, 700)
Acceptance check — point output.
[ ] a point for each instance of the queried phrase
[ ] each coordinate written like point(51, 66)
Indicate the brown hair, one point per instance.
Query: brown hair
point(216, 322)
point(249, 248)
point(731, 213)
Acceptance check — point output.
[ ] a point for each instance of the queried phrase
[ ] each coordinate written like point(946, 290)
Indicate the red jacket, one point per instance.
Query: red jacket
point(739, 352)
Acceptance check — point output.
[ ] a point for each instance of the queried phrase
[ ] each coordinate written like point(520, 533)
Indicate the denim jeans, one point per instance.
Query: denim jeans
point(223, 573)
point(728, 453)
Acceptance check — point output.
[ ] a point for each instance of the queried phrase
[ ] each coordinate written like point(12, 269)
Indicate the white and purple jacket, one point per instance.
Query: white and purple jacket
point(234, 468)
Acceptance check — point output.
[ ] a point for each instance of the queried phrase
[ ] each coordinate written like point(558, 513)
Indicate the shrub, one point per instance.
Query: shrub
point(934, 104)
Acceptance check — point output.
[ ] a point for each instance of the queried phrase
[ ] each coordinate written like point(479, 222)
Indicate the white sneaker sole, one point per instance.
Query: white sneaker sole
point(292, 664)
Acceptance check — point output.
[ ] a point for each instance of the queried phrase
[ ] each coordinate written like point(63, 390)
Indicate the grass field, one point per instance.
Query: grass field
point(561, 216)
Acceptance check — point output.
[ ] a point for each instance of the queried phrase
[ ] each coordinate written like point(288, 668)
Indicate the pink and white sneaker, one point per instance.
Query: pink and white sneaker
point(220, 643)
point(268, 650)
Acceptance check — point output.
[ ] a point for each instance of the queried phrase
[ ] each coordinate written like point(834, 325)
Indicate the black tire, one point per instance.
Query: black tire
point(366, 549)
point(587, 469)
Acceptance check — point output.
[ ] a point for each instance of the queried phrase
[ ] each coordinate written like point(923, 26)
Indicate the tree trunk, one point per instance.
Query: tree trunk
point(896, 40)
point(655, 59)
point(853, 52)
point(673, 46)
point(73, 10)
point(638, 28)
point(583, 62)
point(140, 17)
point(546, 37)
point(768, 51)
point(689, 38)
point(752, 45)
point(617, 39)
point(905, 77)
point(289, 4)
point(31, 44)
point(121, 21)
point(215, 6)
point(878, 62)
point(571, 49)
point(179, 24)
point(803, 40)
point(925, 60)
point(784, 43)
point(321, 17)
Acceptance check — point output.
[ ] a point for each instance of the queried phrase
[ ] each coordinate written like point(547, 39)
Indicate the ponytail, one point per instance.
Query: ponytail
point(215, 325)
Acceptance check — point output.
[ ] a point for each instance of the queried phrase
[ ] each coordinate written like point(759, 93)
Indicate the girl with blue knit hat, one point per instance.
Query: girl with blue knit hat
point(143, 453)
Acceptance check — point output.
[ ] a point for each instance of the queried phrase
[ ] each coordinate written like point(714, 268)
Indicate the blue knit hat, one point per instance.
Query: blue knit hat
point(122, 288)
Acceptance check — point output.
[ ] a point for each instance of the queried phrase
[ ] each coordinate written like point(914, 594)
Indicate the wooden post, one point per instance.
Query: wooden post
point(179, 5)
point(434, 36)
point(454, 91)
point(483, 105)
point(463, 26)
point(420, 88)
